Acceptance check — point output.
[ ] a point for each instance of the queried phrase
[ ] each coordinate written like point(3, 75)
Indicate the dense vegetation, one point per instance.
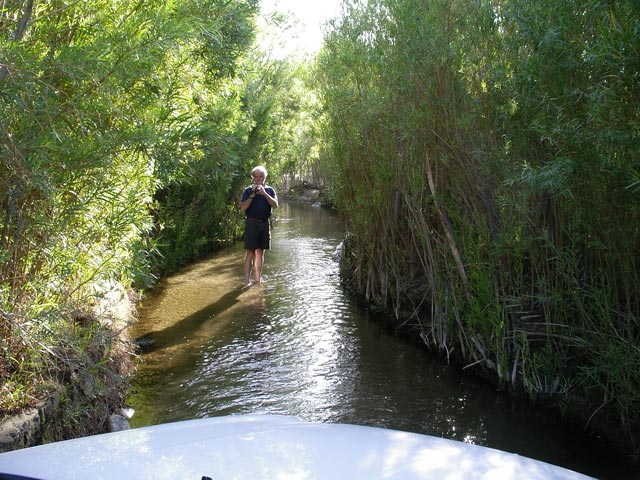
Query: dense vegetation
point(483, 152)
point(486, 158)
point(127, 130)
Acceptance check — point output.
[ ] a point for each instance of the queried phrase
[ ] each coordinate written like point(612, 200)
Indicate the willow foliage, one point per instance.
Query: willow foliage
point(487, 165)
point(103, 105)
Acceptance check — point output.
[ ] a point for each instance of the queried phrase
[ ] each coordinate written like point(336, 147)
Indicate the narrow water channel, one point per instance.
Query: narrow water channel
point(297, 345)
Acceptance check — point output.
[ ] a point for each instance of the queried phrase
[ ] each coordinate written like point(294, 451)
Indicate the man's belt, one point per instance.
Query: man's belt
point(256, 219)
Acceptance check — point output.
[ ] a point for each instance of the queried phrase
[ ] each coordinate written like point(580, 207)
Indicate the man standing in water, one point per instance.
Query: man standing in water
point(257, 201)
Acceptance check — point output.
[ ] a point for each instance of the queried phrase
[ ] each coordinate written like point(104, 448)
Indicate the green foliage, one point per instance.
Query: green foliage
point(284, 109)
point(107, 108)
point(486, 161)
point(263, 118)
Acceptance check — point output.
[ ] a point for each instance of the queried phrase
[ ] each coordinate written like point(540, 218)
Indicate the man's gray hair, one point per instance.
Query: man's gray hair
point(259, 169)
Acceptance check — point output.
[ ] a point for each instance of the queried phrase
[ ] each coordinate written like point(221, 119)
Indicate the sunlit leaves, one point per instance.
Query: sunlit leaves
point(105, 103)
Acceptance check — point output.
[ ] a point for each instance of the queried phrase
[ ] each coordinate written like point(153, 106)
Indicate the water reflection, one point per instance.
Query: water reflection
point(297, 345)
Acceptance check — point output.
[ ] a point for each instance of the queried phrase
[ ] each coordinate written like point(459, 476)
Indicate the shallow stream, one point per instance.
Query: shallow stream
point(298, 345)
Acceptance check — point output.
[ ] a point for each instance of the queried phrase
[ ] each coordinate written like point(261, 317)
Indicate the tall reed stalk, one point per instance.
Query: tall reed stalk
point(488, 173)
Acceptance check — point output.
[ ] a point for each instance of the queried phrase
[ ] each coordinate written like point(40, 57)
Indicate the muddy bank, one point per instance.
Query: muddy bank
point(84, 394)
point(581, 409)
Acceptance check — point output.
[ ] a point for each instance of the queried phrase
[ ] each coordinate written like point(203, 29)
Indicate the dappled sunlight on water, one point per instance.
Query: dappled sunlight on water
point(297, 345)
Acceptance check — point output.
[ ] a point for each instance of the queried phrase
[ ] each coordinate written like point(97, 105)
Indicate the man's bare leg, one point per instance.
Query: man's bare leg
point(257, 264)
point(248, 262)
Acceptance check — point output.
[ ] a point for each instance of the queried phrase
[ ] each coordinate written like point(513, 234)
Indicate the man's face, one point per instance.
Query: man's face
point(258, 179)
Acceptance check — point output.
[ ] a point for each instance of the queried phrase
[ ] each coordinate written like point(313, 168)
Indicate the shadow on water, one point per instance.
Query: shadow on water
point(178, 332)
point(297, 345)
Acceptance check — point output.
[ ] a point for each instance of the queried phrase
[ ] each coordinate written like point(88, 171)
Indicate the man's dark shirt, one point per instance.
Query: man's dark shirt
point(259, 207)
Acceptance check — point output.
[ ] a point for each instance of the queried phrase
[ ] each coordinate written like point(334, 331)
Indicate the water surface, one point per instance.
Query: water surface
point(297, 345)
